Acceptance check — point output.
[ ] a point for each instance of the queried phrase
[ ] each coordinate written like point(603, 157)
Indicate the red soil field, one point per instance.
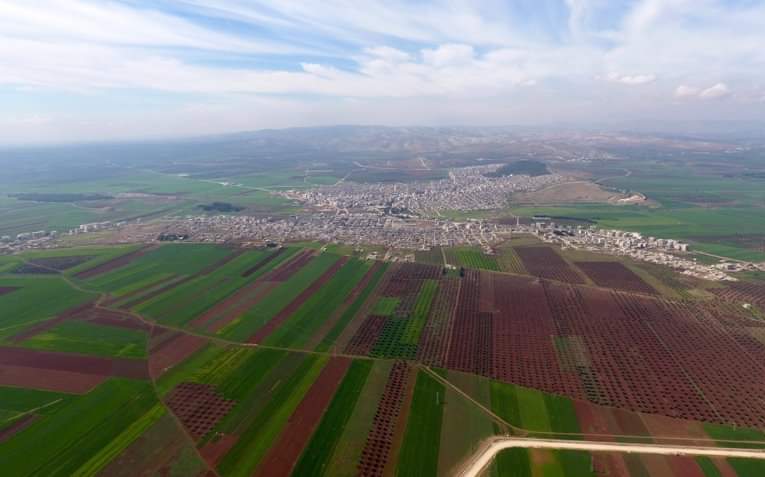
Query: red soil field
point(213, 451)
point(379, 442)
point(16, 427)
point(49, 379)
point(6, 290)
point(47, 360)
point(170, 352)
point(544, 262)
point(286, 270)
point(615, 275)
point(263, 262)
point(198, 406)
point(114, 263)
point(282, 456)
point(297, 302)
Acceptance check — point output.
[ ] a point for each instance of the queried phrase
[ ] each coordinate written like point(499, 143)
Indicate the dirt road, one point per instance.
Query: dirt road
point(492, 447)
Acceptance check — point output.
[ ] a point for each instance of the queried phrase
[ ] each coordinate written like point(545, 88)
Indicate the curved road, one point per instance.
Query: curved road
point(480, 461)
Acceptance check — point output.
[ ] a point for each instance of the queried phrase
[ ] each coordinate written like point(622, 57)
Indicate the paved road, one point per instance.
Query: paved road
point(492, 447)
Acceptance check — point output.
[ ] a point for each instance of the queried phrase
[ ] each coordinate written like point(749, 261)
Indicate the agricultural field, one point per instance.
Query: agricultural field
point(471, 258)
point(298, 361)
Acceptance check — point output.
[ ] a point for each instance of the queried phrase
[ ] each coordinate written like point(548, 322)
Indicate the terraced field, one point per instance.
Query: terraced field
point(296, 362)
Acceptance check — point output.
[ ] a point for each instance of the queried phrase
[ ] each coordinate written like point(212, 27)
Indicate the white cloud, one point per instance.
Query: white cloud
point(685, 91)
point(449, 55)
point(718, 90)
point(471, 53)
point(631, 80)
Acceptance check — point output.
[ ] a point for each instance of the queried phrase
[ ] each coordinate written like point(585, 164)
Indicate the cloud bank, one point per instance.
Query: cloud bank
point(82, 63)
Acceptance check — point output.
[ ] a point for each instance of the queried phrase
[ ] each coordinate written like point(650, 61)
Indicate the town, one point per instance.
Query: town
point(361, 229)
point(466, 189)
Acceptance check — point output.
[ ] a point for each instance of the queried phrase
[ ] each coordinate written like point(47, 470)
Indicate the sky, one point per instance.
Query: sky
point(81, 70)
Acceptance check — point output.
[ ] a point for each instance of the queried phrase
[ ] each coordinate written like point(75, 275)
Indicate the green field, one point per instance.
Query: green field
point(90, 338)
point(186, 301)
point(318, 453)
point(419, 452)
point(176, 259)
point(257, 316)
point(303, 324)
point(83, 427)
point(36, 299)
point(385, 306)
point(470, 257)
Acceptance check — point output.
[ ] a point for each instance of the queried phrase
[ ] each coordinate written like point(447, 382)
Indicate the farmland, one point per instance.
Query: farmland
point(296, 361)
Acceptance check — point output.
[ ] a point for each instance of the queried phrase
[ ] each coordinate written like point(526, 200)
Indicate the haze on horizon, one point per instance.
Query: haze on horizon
point(74, 70)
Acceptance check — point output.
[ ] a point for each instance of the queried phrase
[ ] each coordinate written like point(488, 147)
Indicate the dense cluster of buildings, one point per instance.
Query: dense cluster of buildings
point(467, 188)
point(351, 229)
point(631, 244)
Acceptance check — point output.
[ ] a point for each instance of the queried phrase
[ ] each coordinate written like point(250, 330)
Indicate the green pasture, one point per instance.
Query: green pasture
point(90, 338)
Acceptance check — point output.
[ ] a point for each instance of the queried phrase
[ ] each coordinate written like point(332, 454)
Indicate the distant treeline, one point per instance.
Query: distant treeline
point(220, 207)
point(528, 168)
point(59, 197)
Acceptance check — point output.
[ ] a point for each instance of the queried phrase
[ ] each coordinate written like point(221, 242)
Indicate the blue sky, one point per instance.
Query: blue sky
point(91, 70)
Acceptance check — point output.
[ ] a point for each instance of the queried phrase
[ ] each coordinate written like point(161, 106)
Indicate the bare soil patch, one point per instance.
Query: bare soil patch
point(48, 379)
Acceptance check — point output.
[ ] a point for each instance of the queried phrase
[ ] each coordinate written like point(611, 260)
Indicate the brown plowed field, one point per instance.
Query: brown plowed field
point(544, 262)
point(6, 290)
point(48, 379)
point(288, 269)
point(615, 275)
point(282, 456)
point(16, 427)
point(120, 367)
point(198, 406)
point(114, 263)
point(172, 351)
point(297, 302)
point(263, 262)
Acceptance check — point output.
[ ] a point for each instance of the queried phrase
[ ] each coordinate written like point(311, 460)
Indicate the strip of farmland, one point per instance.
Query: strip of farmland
point(316, 457)
point(615, 275)
point(46, 360)
point(331, 328)
point(308, 293)
point(287, 449)
point(303, 324)
point(114, 263)
point(544, 262)
point(246, 325)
